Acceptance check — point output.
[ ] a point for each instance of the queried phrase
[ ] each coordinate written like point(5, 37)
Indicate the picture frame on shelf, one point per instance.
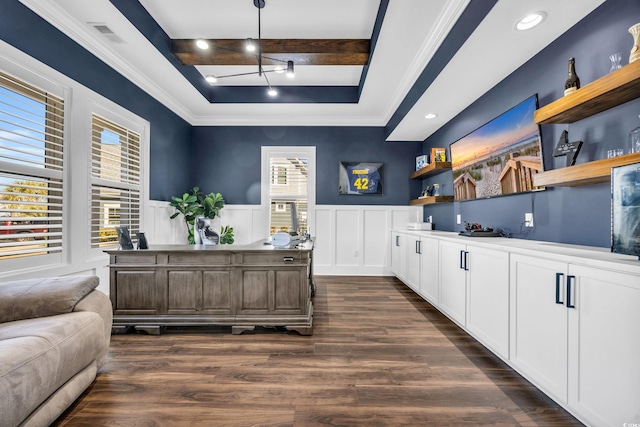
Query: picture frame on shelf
point(438, 155)
point(421, 161)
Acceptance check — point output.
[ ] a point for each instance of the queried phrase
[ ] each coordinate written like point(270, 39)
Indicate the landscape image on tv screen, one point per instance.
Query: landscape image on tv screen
point(499, 158)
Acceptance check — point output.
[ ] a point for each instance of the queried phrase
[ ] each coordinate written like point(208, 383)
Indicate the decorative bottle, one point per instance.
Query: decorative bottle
point(634, 140)
point(573, 82)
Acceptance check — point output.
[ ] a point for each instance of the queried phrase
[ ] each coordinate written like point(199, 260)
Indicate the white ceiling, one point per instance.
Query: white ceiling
point(411, 33)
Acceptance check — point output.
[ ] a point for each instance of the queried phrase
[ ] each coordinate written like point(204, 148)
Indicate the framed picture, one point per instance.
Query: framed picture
point(625, 209)
point(438, 155)
point(360, 178)
point(421, 161)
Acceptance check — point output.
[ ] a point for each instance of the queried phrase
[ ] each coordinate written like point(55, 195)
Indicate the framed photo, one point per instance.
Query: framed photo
point(421, 161)
point(360, 178)
point(625, 209)
point(438, 155)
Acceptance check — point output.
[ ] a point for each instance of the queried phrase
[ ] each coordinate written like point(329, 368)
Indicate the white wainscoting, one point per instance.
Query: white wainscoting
point(349, 240)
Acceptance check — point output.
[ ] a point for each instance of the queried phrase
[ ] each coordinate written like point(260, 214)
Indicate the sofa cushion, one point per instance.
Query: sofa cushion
point(31, 298)
point(38, 356)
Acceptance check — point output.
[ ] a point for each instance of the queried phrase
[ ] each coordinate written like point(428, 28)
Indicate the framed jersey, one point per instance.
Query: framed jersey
point(360, 178)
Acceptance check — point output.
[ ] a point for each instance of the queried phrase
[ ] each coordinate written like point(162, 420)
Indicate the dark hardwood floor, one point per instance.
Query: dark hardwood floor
point(379, 356)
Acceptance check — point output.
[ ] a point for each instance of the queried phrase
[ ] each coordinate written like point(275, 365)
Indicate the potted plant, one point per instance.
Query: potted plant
point(194, 204)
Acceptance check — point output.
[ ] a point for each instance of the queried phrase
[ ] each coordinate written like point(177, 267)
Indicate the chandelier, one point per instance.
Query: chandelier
point(251, 48)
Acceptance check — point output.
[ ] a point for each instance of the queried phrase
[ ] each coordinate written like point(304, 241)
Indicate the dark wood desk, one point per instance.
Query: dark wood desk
point(242, 286)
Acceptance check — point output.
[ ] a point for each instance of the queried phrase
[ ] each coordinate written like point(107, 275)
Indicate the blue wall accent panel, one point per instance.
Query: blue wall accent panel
point(578, 215)
point(170, 135)
point(227, 160)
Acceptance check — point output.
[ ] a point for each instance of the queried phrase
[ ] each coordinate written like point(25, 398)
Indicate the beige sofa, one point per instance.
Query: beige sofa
point(54, 336)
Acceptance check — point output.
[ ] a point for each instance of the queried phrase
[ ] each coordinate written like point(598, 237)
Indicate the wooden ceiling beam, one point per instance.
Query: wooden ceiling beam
point(274, 52)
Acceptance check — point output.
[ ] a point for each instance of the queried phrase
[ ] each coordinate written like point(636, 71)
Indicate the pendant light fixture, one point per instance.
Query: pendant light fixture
point(253, 48)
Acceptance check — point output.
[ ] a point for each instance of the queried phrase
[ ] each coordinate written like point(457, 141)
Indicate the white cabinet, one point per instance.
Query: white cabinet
point(414, 260)
point(398, 255)
point(453, 280)
point(474, 292)
point(565, 318)
point(604, 346)
point(429, 270)
point(539, 322)
point(412, 249)
point(488, 298)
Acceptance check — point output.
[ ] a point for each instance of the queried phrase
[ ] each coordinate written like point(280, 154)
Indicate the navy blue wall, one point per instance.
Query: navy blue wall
point(579, 215)
point(572, 215)
point(227, 160)
point(170, 135)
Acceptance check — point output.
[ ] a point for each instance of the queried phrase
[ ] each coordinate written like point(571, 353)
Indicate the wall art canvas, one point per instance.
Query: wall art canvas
point(499, 158)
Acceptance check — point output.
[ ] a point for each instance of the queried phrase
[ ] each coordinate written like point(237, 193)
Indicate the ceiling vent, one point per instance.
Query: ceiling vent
point(103, 29)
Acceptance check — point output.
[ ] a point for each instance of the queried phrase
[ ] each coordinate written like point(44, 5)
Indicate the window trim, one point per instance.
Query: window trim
point(126, 119)
point(76, 256)
point(288, 151)
point(32, 80)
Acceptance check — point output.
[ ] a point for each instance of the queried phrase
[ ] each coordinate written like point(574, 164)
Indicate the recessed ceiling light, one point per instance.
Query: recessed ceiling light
point(430, 116)
point(202, 44)
point(272, 92)
point(530, 21)
point(211, 78)
point(278, 69)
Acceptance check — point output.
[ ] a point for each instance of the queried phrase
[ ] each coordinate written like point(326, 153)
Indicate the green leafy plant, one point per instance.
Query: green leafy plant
point(226, 235)
point(194, 204)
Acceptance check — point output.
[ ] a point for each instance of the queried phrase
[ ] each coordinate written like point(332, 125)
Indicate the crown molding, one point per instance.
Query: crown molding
point(90, 40)
point(444, 23)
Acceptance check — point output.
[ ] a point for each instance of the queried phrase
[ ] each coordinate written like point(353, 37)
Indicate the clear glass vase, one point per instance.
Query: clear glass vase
point(634, 140)
point(616, 59)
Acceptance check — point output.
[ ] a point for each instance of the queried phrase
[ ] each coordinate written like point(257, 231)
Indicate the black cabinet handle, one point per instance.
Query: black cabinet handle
point(462, 260)
point(397, 240)
point(419, 247)
point(466, 260)
point(570, 280)
point(287, 259)
point(558, 276)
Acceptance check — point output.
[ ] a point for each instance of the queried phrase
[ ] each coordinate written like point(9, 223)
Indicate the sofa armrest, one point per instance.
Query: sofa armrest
point(98, 302)
point(31, 298)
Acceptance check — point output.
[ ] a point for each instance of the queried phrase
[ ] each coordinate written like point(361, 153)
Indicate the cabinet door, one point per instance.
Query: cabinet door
point(488, 298)
point(453, 278)
point(273, 291)
point(538, 336)
point(134, 291)
point(412, 276)
point(199, 292)
point(604, 346)
point(429, 270)
point(398, 255)
point(184, 291)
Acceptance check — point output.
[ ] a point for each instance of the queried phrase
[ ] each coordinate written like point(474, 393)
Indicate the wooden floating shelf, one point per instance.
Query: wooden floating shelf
point(432, 169)
point(609, 91)
point(431, 200)
point(595, 172)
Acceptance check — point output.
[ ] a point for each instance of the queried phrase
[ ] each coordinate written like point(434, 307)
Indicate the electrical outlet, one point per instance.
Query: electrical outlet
point(459, 219)
point(430, 218)
point(528, 219)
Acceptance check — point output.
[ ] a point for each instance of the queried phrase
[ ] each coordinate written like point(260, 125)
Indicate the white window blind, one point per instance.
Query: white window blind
point(115, 181)
point(288, 194)
point(31, 170)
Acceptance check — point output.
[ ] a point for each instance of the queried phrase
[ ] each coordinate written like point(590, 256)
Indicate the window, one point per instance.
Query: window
point(115, 181)
point(291, 192)
point(279, 175)
point(31, 170)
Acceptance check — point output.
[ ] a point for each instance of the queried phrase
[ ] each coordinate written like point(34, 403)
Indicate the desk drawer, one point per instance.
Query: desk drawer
point(273, 258)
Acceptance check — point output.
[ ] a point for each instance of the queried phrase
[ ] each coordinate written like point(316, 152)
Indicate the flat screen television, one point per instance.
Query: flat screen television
point(625, 209)
point(500, 157)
